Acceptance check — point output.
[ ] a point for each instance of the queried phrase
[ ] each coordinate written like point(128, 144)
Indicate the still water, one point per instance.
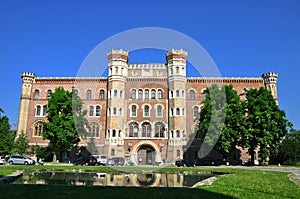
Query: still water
point(112, 178)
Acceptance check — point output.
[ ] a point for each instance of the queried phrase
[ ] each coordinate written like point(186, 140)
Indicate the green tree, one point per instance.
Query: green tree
point(7, 136)
point(228, 120)
point(66, 122)
point(265, 122)
point(91, 146)
point(21, 145)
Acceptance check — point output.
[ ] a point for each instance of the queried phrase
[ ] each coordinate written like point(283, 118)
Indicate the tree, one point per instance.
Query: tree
point(66, 122)
point(228, 120)
point(7, 136)
point(265, 122)
point(91, 147)
point(21, 145)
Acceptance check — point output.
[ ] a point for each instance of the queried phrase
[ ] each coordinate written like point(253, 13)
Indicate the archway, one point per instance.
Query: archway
point(146, 155)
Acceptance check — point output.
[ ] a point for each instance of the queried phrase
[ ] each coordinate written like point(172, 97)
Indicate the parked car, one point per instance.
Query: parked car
point(115, 161)
point(2, 160)
point(102, 159)
point(86, 160)
point(185, 163)
point(20, 159)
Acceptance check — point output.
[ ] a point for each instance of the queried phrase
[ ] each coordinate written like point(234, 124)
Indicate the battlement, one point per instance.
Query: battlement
point(177, 53)
point(117, 52)
point(28, 77)
point(147, 66)
point(270, 74)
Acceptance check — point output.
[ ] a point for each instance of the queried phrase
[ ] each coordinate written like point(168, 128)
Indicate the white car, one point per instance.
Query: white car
point(101, 159)
point(2, 160)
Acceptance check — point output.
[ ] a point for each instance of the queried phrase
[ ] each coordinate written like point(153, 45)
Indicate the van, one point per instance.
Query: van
point(101, 159)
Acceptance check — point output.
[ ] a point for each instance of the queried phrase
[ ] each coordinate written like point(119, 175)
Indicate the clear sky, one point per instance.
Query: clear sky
point(244, 38)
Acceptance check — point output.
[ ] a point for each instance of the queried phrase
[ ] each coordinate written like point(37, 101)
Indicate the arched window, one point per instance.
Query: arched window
point(153, 94)
point(140, 94)
point(38, 110)
point(133, 129)
point(177, 111)
point(159, 93)
point(182, 93)
point(172, 112)
point(172, 94)
point(94, 130)
point(146, 94)
point(98, 110)
point(146, 129)
point(177, 93)
point(146, 111)
point(117, 70)
point(115, 93)
point(112, 152)
point(133, 111)
point(101, 94)
point(88, 94)
point(44, 110)
point(91, 111)
point(196, 111)
point(178, 133)
point(114, 133)
point(36, 94)
point(114, 111)
point(159, 129)
point(133, 94)
point(121, 93)
point(159, 111)
point(192, 94)
point(109, 112)
point(38, 129)
point(120, 111)
point(49, 92)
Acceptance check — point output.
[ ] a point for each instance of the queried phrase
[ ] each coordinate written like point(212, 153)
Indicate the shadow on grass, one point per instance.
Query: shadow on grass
point(73, 192)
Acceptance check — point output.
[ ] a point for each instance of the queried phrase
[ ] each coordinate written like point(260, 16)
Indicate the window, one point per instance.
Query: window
point(178, 153)
point(140, 94)
point(114, 133)
point(44, 110)
point(117, 70)
point(121, 93)
point(146, 129)
point(115, 111)
point(133, 94)
point(133, 129)
point(172, 112)
point(112, 152)
point(245, 94)
point(196, 111)
point(36, 94)
point(159, 111)
point(146, 111)
point(177, 70)
point(98, 110)
point(94, 130)
point(178, 133)
point(38, 110)
point(153, 94)
point(115, 93)
point(102, 94)
point(159, 93)
point(159, 129)
point(109, 113)
point(91, 111)
point(177, 111)
point(133, 111)
point(177, 93)
point(120, 111)
point(38, 129)
point(88, 94)
point(49, 92)
point(182, 93)
point(172, 94)
point(146, 94)
point(192, 94)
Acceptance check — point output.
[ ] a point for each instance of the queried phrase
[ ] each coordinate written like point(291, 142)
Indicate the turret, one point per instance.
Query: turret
point(270, 81)
point(117, 64)
point(27, 81)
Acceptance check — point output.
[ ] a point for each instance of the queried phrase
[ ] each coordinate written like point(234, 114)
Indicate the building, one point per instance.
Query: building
point(143, 112)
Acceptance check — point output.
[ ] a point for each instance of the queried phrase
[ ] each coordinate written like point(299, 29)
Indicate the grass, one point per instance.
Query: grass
point(239, 184)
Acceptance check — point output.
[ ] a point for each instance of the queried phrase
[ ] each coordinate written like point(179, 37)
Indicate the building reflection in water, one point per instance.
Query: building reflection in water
point(113, 179)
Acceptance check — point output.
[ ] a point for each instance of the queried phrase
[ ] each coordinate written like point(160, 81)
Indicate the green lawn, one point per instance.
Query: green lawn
point(239, 184)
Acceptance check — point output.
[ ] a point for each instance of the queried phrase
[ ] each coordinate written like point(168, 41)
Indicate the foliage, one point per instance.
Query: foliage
point(265, 122)
point(21, 145)
point(229, 119)
point(91, 146)
point(66, 122)
point(7, 136)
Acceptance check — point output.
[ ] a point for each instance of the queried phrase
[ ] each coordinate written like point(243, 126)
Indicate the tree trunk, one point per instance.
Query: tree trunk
point(54, 158)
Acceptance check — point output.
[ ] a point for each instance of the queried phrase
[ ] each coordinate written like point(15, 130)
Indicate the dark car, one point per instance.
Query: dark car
point(86, 160)
point(115, 161)
point(185, 163)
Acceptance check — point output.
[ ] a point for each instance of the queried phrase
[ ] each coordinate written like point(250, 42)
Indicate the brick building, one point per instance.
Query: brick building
point(143, 112)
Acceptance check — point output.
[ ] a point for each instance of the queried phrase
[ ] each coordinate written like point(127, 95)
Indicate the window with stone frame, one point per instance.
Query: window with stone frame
point(140, 94)
point(159, 94)
point(98, 110)
point(159, 129)
point(91, 111)
point(146, 111)
point(38, 110)
point(196, 111)
point(38, 129)
point(49, 92)
point(89, 94)
point(36, 94)
point(44, 110)
point(133, 111)
point(146, 94)
point(192, 94)
point(153, 94)
point(133, 94)
point(133, 129)
point(159, 111)
point(94, 130)
point(146, 129)
point(102, 94)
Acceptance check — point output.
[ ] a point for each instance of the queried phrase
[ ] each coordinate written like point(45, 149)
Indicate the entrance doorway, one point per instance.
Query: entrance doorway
point(146, 155)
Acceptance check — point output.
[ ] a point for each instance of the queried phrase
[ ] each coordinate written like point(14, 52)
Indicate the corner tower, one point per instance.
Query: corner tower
point(27, 81)
point(118, 69)
point(176, 64)
point(270, 81)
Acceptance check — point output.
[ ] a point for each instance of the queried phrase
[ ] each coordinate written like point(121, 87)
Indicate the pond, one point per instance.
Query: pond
point(112, 178)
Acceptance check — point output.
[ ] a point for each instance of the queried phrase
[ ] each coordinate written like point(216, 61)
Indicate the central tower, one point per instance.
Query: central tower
point(117, 75)
point(176, 66)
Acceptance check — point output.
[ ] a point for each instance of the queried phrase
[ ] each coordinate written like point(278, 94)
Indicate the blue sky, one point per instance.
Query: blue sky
point(244, 38)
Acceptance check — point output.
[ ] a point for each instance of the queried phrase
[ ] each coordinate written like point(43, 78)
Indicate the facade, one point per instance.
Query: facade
point(146, 113)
